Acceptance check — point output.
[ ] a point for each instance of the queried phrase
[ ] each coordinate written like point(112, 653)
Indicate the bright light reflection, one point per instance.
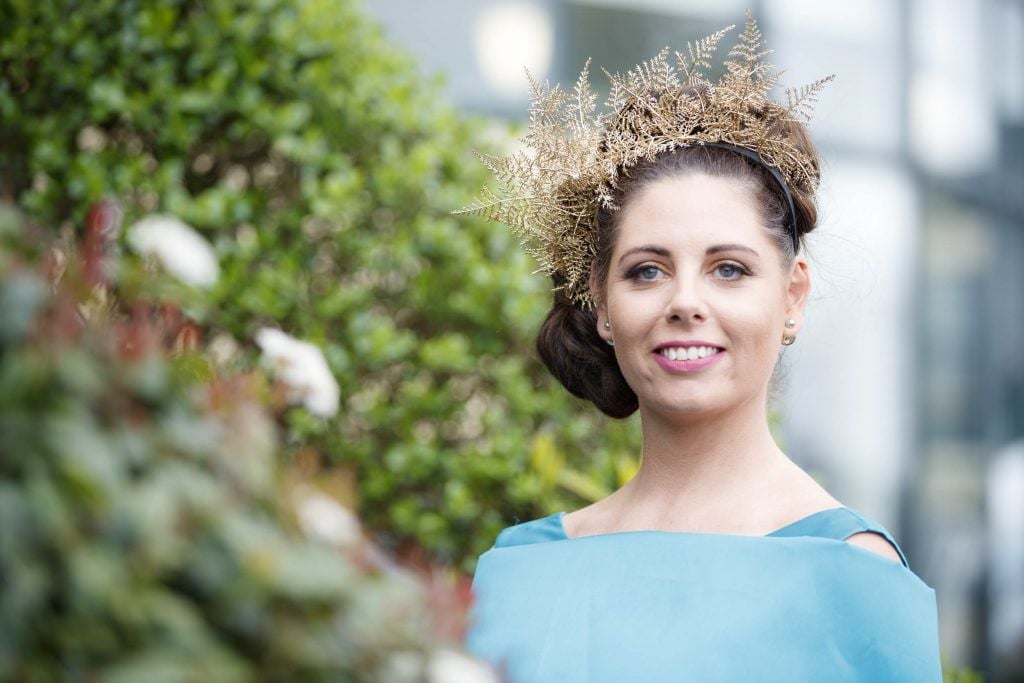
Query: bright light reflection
point(951, 128)
point(508, 37)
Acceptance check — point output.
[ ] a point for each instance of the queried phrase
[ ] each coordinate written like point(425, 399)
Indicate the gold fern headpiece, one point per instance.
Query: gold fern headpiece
point(555, 189)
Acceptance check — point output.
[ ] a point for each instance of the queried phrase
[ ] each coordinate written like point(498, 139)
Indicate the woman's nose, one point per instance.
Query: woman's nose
point(686, 299)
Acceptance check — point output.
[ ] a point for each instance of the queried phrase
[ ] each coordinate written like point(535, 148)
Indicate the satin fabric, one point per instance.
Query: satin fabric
point(799, 604)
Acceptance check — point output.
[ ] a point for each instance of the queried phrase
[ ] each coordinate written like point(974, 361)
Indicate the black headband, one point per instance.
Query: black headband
point(754, 156)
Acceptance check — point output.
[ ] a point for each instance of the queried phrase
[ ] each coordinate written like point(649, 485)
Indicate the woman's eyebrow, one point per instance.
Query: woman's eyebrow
point(730, 247)
point(661, 251)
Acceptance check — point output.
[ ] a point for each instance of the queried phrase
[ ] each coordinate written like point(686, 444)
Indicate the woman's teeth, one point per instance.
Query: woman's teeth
point(688, 353)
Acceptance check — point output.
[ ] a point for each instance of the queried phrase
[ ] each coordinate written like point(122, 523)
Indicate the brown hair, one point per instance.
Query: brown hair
point(568, 341)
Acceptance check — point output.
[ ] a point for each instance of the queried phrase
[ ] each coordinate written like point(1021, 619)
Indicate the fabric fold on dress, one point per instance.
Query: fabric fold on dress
point(800, 604)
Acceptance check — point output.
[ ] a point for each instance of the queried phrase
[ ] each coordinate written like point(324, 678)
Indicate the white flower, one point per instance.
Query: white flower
point(403, 667)
point(181, 250)
point(302, 367)
point(323, 517)
point(223, 348)
point(451, 666)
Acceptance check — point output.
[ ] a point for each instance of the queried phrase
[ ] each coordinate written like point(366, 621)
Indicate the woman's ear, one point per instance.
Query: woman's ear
point(797, 291)
point(600, 308)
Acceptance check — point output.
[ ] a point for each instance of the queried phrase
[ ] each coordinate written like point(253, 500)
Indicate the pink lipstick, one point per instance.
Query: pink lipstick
point(684, 364)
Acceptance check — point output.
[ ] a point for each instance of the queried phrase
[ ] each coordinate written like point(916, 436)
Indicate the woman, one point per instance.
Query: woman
point(672, 231)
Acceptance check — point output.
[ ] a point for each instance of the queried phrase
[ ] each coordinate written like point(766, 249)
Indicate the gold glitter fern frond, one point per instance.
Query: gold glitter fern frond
point(552, 191)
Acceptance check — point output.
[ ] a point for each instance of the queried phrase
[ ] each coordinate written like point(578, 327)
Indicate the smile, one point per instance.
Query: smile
point(688, 359)
point(688, 353)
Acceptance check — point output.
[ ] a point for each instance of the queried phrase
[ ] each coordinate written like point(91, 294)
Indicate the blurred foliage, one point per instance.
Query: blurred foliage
point(962, 674)
point(322, 165)
point(147, 528)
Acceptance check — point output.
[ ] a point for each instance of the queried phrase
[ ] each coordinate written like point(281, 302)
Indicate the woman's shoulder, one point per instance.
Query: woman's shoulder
point(847, 523)
point(872, 536)
point(533, 531)
point(837, 522)
point(877, 543)
point(844, 523)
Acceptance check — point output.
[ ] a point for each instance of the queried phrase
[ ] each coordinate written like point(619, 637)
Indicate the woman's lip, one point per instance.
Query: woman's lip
point(687, 365)
point(687, 343)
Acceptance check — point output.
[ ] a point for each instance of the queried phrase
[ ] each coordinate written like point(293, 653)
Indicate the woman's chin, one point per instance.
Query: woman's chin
point(684, 407)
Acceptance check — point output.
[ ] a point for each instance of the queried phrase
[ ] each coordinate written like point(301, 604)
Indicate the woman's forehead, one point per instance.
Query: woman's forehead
point(692, 211)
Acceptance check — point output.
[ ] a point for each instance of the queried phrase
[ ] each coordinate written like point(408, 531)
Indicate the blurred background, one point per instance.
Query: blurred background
point(260, 389)
point(905, 392)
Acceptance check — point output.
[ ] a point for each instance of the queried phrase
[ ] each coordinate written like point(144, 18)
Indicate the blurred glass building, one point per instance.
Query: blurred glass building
point(905, 392)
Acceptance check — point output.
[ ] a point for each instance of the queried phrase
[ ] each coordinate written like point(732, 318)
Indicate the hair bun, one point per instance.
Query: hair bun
point(581, 360)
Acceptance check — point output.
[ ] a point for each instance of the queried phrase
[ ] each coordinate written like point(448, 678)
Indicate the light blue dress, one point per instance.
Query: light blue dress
point(799, 604)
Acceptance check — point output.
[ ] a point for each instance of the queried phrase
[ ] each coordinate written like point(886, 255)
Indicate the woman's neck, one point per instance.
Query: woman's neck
point(721, 470)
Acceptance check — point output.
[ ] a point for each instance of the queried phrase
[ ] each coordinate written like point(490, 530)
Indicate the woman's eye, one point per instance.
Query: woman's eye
point(732, 271)
point(646, 273)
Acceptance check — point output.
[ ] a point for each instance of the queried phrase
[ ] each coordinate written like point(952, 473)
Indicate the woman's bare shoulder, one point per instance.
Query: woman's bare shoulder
point(813, 498)
point(876, 543)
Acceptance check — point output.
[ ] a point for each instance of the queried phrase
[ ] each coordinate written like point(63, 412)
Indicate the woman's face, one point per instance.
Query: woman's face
point(694, 266)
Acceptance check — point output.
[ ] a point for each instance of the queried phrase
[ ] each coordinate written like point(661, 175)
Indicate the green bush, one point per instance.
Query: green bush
point(147, 530)
point(322, 165)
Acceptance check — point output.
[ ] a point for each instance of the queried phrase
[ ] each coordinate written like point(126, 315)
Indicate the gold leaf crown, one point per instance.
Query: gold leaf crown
point(553, 195)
